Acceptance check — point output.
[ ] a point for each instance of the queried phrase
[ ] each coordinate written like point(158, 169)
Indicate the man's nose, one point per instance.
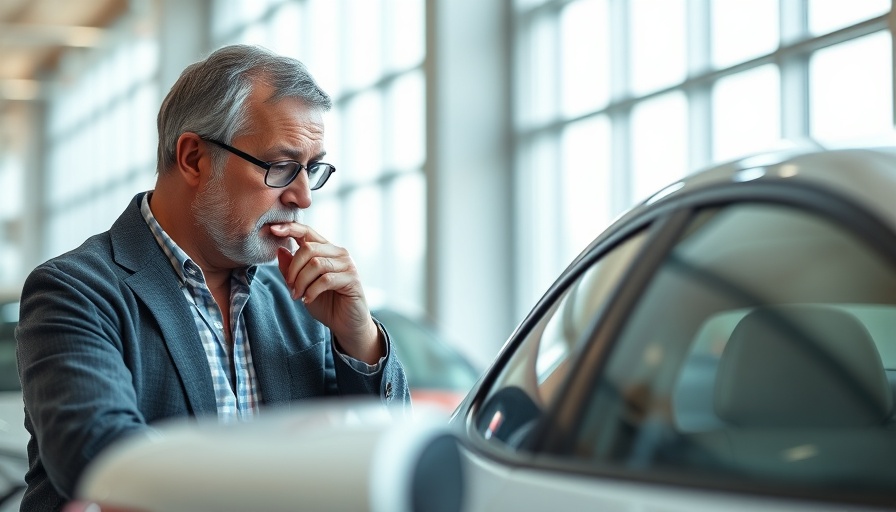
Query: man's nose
point(298, 193)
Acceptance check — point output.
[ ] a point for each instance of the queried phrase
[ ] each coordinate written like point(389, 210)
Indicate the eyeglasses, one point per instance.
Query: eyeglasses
point(281, 174)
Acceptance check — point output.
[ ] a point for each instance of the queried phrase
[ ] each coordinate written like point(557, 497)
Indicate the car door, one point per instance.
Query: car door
point(741, 357)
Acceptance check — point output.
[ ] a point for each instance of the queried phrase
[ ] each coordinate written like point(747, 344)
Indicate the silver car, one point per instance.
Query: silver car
point(728, 344)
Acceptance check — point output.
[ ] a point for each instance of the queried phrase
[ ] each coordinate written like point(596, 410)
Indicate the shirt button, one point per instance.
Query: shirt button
point(219, 325)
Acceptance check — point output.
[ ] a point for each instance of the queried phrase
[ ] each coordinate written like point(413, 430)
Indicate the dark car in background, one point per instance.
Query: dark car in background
point(438, 373)
point(728, 344)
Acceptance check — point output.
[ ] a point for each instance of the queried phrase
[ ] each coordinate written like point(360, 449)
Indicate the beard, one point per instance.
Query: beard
point(215, 215)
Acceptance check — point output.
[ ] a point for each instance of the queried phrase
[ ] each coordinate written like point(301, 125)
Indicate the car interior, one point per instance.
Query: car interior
point(800, 391)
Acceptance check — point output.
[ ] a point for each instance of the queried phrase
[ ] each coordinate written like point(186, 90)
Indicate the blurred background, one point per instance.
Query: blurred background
point(480, 145)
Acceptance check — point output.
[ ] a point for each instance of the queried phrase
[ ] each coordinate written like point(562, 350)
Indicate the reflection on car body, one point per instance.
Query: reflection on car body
point(726, 345)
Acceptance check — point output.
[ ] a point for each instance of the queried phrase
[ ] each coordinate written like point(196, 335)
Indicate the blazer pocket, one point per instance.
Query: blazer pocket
point(307, 371)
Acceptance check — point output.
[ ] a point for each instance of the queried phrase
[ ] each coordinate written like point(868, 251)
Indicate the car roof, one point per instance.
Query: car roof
point(866, 176)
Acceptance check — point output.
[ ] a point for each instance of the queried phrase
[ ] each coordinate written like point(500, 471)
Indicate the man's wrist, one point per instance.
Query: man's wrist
point(371, 350)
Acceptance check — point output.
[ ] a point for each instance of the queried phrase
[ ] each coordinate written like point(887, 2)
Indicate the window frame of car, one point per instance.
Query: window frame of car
point(667, 222)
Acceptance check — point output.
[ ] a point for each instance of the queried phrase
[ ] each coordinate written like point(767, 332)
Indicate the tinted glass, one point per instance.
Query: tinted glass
point(763, 352)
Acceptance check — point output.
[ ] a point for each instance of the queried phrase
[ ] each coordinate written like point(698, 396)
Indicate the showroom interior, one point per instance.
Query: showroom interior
point(480, 146)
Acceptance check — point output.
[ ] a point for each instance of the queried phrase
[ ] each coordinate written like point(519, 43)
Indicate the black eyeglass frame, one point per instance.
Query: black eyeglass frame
point(330, 169)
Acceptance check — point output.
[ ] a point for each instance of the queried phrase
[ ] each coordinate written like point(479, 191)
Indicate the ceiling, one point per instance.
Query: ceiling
point(34, 33)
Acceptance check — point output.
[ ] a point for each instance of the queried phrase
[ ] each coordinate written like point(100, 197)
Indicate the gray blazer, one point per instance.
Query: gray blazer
point(107, 345)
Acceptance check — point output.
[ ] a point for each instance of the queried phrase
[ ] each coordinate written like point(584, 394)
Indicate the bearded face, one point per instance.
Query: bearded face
point(238, 237)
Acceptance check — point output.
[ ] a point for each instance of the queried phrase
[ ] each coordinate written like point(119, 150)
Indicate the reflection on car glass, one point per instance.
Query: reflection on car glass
point(509, 416)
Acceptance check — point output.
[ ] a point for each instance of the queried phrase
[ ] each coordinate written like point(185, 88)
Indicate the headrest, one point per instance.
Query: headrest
point(801, 366)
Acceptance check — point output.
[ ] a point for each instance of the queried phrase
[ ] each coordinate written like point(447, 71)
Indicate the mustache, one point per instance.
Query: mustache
point(279, 215)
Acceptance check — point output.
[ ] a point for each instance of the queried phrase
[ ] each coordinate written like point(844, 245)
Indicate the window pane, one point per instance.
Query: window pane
point(537, 102)
point(830, 15)
point(405, 29)
point(406, 119)
point(585, 56)
point(526, 4)
point(253, 34)
point(144, 137)
point(586, 183)
point(659, 143)
point(364, 230)
point(659, 45)
point(746, 113)
point(225, 18)
point(539, 259)
point(12, 186)
point(325, 217)
point(363, 42)
point(362, 142)
point(323, 39)
point(851, 90)
point(408, 196)
point(285, 31)
point(743, 29)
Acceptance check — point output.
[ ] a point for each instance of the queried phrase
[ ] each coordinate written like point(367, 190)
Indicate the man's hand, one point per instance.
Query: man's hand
point(324, 276)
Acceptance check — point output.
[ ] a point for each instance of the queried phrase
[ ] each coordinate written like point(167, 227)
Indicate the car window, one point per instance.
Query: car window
point(762, 353)
point(530, 380)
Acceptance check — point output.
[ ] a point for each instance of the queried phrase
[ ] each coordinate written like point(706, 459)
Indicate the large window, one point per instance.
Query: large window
point(11, 186)
point(101, 139)
point(630, 95)
point(368, 55)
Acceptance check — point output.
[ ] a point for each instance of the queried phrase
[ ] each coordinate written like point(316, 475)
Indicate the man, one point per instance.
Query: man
point(171, 312)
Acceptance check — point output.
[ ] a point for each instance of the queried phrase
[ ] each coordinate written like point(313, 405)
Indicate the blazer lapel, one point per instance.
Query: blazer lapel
point(266, 342)
point(156, 283)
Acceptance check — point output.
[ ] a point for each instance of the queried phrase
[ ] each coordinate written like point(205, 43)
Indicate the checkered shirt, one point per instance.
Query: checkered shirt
point(236, 388)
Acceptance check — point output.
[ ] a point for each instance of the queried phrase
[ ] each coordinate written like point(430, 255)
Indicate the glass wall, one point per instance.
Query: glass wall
point(12, 170)
point(617, 98)
point(612, 100)
point(101, 139)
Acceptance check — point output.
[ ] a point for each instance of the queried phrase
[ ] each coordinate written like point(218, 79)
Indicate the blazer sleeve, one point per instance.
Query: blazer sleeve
point(77, 390)
point(390, 382)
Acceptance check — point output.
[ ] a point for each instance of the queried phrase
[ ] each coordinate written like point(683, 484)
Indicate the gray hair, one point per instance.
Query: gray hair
point(209, 98)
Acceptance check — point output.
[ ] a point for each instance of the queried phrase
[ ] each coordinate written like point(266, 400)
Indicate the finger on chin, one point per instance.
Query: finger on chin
point(284, 258)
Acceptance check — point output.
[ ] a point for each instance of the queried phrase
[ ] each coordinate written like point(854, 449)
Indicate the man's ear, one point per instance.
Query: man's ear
point(192, 158)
